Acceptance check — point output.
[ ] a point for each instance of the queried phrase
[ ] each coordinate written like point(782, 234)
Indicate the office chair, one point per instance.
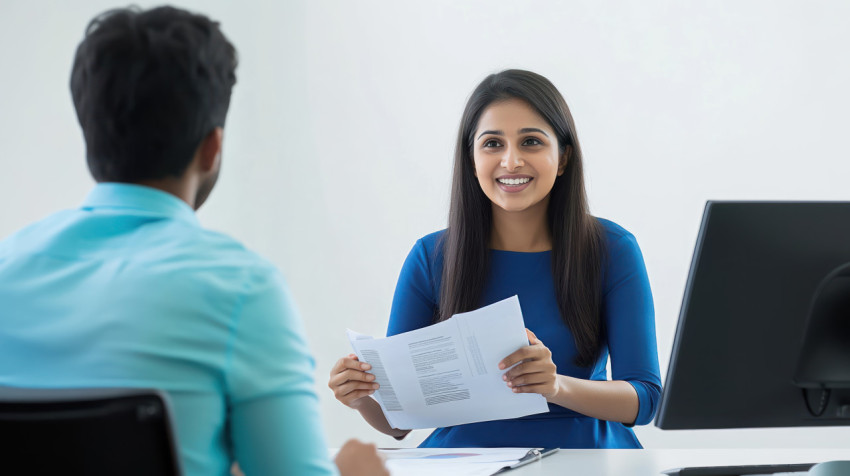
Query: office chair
point(86, 431)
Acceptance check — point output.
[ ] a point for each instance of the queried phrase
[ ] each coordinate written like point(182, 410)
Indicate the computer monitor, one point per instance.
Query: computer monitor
point(763, 338)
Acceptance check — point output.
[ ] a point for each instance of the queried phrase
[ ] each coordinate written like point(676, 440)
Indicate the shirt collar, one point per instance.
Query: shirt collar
point(149, 201)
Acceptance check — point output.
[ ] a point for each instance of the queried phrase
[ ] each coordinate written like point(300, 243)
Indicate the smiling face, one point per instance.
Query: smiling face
point(516, 156)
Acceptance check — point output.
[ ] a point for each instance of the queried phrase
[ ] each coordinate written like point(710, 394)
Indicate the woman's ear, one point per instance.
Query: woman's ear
point(565, 157)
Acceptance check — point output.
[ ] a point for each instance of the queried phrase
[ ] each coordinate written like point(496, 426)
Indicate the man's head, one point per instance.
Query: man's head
point(151, 89)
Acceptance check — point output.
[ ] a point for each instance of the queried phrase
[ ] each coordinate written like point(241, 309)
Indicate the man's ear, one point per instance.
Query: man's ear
point(210, 150)
point(565, 158)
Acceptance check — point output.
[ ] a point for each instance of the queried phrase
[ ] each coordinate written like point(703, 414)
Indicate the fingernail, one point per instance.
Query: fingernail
point(375, 386)
point(501, 365)
point(510, 384)
point(516, 390)
point(370, 377)
point(505, 377)
point(365, 366)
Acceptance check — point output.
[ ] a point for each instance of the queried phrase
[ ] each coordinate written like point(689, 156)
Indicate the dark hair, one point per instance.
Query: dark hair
point(148, 86)
point(577, 246)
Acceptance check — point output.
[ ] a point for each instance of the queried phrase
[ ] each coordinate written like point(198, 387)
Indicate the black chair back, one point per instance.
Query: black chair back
point(86, 431)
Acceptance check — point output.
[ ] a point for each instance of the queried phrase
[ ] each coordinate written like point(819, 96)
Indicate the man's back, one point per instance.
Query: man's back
point(130, 291)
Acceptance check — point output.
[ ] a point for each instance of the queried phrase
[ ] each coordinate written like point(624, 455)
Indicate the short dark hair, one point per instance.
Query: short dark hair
point(148, 86)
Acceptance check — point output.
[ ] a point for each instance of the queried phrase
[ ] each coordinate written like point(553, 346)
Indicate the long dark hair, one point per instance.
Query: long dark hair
point(577, 245)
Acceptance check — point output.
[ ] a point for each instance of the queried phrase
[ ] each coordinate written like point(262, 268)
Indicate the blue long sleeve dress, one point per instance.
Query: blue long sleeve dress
point(629, 338)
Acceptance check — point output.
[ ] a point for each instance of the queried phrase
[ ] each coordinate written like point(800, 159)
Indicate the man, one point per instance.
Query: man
point(129, 290)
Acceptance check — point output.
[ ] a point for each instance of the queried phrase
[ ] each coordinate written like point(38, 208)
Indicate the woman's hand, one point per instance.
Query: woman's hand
point(349, 381)
point(535, 373)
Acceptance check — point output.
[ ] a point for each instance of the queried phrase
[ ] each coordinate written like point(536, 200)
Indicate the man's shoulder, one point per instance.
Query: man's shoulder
point(224, 250)
point(184, 247)
point(24, 239)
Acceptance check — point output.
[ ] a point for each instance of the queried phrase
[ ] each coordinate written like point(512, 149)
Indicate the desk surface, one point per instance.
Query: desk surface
point(653, 462)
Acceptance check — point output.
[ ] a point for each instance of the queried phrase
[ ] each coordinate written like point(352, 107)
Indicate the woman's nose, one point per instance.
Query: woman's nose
point(512, 160)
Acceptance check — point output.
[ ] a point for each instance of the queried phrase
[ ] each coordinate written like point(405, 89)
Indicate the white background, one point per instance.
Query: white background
point(339, 141)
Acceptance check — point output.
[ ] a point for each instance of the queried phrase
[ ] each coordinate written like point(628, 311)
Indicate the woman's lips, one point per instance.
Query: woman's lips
point(514, 183)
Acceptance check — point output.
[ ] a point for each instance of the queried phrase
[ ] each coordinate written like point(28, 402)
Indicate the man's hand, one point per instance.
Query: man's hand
point(360, 459)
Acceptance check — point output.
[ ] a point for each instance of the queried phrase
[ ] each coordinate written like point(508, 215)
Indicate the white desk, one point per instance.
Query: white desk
point(653, 462)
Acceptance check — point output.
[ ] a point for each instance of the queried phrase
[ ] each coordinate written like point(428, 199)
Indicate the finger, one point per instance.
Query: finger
point(338, 366)
point(525, 367)
point(349, 387)
point(356, 364)
point(351, 375)
point(524, 354)
point(516, 371)
point(518, 356)
point(530, 389)
point(349, 363)
point(529, 379)
point(532, 338)
point(356, 395)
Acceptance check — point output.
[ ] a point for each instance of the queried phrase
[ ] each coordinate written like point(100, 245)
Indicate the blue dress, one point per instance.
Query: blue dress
point(629, 322)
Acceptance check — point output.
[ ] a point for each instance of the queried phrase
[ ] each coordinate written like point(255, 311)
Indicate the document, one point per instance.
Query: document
point(448, 373)
point(456, 461)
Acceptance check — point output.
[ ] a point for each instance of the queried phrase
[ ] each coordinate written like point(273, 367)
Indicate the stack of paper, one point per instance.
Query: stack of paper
point(451, 461)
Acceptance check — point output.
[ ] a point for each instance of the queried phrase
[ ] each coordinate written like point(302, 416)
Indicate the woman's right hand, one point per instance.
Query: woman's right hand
point(350, 382)
point(360, 459)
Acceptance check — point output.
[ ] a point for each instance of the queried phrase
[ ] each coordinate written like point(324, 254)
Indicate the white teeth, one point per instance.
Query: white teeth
point(516, 181)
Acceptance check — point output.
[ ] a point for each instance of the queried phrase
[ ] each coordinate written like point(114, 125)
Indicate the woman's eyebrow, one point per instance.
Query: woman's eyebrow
point(524, 130)
point(495, 133)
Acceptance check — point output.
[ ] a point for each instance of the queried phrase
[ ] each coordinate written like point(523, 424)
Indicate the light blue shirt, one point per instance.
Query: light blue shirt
point(130, 291)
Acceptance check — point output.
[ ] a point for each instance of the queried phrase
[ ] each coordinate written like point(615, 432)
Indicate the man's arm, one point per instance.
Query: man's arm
point(275, 426)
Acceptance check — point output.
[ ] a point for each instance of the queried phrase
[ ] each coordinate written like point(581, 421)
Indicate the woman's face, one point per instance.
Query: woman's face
point(516, 156)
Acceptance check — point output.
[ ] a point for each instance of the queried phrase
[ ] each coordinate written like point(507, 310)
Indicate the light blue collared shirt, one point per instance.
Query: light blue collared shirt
point(130, 291)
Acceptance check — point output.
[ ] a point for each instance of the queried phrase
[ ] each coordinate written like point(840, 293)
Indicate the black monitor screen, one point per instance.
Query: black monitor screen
point(738, 359)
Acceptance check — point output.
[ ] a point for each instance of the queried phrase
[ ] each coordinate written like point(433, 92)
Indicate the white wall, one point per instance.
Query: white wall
point(339, 142)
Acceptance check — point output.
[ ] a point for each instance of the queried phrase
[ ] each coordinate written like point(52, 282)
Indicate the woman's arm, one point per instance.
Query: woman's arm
point(612, 400)
point(373, 414)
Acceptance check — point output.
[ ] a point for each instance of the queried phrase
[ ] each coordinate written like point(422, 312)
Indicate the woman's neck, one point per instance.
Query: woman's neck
point(525, 231)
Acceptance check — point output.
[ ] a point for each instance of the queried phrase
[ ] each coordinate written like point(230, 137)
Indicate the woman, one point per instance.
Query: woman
point(519, 224)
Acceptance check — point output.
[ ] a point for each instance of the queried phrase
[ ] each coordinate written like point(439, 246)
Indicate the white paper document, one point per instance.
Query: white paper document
point(448, 373)
point(451, 461)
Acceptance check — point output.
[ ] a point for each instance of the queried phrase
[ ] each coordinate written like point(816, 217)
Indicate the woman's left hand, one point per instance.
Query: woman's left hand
point(535, 373)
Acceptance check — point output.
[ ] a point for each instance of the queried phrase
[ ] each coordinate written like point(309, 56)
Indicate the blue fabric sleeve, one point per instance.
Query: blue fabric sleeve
point(629, 318)
point(275, 427)
point(414, 301)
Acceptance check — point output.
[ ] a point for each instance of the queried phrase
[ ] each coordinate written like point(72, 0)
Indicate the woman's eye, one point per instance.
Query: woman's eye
point(532, 141)
point(491, 143)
